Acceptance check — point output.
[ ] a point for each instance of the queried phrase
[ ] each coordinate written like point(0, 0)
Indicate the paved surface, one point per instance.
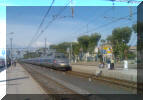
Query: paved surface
point(83, 84)
point(117, 65)
point(2, 83)
point(20, 82)
point(2, 69)
point(117, 73)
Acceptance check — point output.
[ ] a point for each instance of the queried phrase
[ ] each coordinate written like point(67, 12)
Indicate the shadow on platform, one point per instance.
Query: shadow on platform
point(14, 79)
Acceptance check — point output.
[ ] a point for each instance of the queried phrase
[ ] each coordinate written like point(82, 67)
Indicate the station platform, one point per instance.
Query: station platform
point(118, 73)
point(2, 83)
point(20, 82)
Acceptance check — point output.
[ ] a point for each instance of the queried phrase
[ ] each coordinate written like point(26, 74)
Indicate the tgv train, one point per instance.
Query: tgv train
point(54, 60)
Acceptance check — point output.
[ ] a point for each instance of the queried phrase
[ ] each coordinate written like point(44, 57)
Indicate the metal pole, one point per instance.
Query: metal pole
point(69, 56)
point(45, 45)
point(87, 28)
point(11, 49)
point(11, 33)
point(71, 52)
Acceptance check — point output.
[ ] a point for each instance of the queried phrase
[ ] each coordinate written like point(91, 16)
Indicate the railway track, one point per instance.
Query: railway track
point(131, 86)
point(123, 83)
point(56, 89)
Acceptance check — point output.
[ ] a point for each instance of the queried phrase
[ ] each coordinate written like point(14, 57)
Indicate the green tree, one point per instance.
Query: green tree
point(62, 47)
point(31, 55)
point(93, 41)
point(119, 39)
point(84, 42)
point(122, 34)
point(75, 48)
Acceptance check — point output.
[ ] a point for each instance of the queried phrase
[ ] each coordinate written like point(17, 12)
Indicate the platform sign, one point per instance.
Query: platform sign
point(2, 53)
point(68, 50)
point(108, 49)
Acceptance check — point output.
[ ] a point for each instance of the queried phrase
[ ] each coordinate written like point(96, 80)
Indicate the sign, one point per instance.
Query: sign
point(96, 50)
point(3, 52)
point(68, 50)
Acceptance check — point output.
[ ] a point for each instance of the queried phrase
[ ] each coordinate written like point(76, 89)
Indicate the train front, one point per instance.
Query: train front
point(61, 62)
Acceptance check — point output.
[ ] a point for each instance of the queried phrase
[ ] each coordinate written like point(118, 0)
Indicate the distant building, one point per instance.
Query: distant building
point(106, 51)
point(133, 49)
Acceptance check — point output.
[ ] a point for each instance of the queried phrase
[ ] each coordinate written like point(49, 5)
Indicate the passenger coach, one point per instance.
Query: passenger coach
point(55, 61)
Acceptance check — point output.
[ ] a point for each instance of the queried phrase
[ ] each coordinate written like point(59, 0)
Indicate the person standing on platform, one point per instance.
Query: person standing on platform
point(112, 64)
point(15, 63)
point(108, 64)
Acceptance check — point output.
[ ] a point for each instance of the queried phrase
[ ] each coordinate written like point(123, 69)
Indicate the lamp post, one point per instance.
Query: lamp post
point(11, 33)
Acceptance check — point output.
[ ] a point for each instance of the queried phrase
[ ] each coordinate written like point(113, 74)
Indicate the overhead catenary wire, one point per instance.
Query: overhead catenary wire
point(121, 18)
point(50, 22)
point(92, 20)
point(55, 17)
point(107, 23)
point(42, 22)
point(106, 11)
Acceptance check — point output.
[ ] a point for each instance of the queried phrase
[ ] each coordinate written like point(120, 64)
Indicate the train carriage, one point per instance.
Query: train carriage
point(55, 61)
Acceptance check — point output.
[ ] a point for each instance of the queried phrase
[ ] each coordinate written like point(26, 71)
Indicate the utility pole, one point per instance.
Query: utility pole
point(11, 49)
point(71, 53)
point(87, 28)
point(11, 33)
point(45, 46)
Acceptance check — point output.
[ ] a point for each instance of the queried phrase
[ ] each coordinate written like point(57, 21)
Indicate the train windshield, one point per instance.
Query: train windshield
point(60, 56)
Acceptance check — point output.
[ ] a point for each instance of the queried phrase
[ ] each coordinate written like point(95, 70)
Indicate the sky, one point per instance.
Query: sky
point(24, 21)
point(63, 2)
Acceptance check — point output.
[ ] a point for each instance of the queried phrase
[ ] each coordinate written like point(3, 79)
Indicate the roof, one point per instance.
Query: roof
point(133, 47)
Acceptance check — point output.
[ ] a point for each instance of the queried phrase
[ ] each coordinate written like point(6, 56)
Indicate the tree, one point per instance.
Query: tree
point(31, 55)
point(88, 43)
point(62, 47)
point(93, 41)
point(122, 34)
point(119, 39)
point(75, 48)
point(84, 42)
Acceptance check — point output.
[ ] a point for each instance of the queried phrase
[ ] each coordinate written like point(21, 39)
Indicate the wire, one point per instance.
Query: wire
point(94, 19)
point(108, 23)
point(43, 30)
point(42, 22)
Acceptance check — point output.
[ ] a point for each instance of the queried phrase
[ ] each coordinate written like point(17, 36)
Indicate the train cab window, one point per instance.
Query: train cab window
point(60, 56)
point(57, 56)
point(63, 56)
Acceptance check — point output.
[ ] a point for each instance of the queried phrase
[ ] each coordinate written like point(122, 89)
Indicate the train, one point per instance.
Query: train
point(57, 61)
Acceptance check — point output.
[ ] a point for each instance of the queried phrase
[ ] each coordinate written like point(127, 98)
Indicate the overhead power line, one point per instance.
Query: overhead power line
point(50, 22)
point(108, 23)
point(42, 22)
point(105, 25)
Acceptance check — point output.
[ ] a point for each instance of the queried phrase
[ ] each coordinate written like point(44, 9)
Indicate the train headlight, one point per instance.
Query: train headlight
point(62, 64)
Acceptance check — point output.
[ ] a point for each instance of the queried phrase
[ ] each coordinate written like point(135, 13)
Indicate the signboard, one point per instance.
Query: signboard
point(96, 50)
point(108, 49)
point(68, 50)
point(2, 53)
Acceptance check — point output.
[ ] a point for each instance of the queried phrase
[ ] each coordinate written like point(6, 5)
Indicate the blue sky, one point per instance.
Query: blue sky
point(24, 22)
point(63, 2)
